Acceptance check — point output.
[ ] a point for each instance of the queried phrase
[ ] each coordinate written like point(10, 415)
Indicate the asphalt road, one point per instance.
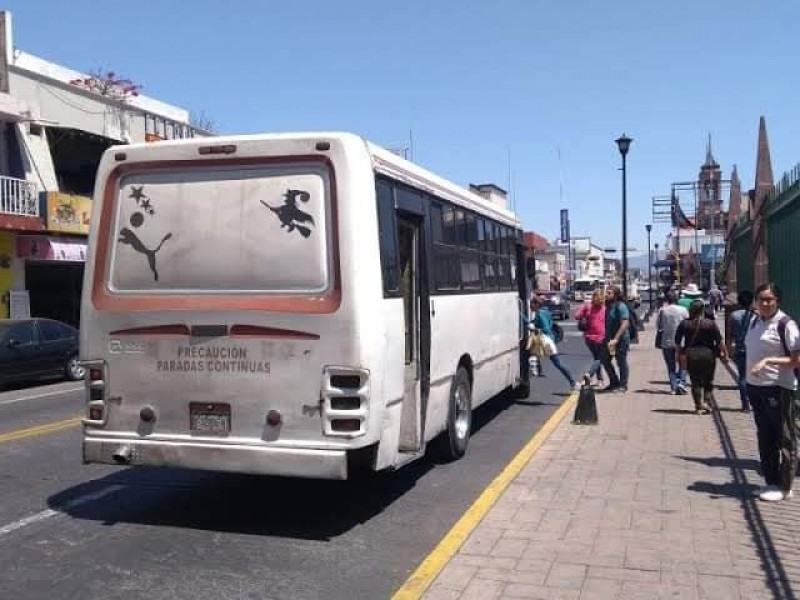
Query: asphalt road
point(83, 532)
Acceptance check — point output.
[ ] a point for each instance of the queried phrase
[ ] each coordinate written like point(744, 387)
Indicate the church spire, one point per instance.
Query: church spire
point(710, 162)
point(735, 203)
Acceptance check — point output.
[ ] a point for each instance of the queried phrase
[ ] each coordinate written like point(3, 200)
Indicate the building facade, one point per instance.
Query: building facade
point(55, 124)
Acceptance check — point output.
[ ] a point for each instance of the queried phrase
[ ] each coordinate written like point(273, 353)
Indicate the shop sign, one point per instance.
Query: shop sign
point(46, 248)
point(68, 213)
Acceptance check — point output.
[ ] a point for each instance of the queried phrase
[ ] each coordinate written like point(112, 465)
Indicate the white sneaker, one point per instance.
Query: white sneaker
point(771, 493)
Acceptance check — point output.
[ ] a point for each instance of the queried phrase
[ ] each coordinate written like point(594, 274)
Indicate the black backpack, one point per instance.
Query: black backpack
point(633, 323)
point(633, 326)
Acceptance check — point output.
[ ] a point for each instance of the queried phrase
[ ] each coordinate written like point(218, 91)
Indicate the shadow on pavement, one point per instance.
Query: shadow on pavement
point(675, 411)
point(720, 490)
point(653, 392)
point(728, 463)
point(771, 563)
point(250, 504)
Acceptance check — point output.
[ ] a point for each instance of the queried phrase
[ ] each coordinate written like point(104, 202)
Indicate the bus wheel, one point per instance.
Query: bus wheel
point(453, 442)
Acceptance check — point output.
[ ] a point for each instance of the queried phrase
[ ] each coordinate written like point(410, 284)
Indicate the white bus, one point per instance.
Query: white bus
point(303, 305)
point(584, 287)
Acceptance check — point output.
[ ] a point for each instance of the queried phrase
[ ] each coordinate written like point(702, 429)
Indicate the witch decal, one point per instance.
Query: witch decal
point(290, 215)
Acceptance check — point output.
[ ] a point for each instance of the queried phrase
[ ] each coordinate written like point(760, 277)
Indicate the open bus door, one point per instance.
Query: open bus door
point(416, 315)
point(526, 271)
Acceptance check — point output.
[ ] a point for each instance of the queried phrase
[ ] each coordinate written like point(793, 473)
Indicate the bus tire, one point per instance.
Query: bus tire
point(452, 444)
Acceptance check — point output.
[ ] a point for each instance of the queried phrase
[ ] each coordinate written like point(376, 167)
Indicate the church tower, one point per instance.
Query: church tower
point(709, 199)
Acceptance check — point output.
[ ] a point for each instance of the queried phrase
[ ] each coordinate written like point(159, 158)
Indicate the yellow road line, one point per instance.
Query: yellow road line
point(21, 434)
point(427, 571)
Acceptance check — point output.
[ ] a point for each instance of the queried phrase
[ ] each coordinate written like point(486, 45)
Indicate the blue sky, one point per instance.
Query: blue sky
point(474, 81)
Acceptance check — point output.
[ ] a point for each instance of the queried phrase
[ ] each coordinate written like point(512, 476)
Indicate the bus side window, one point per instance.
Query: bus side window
point(387, 231)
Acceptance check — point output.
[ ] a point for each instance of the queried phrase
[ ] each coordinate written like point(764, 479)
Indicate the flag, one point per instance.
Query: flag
point(690, 264)
point(679, 218)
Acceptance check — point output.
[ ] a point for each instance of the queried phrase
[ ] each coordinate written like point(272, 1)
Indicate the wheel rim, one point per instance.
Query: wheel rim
point(462, 411)
point(76, 369)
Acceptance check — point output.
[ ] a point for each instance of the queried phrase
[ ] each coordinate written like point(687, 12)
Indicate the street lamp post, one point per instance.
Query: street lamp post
point(624, 143)
point(649, 228)
point(655, 260)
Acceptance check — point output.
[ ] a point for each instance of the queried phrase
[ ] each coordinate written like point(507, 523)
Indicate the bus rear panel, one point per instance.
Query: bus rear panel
point(212, 322)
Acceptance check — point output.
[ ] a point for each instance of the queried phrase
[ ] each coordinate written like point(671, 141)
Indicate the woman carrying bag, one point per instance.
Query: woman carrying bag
point(699, 343)
point(542, 340)
point(592, 322)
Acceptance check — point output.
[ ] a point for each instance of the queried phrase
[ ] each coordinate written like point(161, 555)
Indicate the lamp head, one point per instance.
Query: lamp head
point(623, 143)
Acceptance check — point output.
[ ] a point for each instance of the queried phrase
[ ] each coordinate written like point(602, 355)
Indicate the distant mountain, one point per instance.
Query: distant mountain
point(638, 262)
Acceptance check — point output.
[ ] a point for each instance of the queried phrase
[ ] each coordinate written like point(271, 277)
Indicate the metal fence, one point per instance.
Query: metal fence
point(741, 246)
point(782, 214)
point(783, 239)
point(18, 197)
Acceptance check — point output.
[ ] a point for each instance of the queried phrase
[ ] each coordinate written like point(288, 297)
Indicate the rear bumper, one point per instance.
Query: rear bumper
point(290, 462)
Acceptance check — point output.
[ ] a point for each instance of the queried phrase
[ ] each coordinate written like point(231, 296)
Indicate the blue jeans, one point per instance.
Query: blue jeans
point(557, 363)
point(614, 380)
point(741, 365)
point(596, 349)
point(677, 376)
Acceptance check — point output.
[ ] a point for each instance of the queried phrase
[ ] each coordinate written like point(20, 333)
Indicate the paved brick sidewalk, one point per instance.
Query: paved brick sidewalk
point(654, 502)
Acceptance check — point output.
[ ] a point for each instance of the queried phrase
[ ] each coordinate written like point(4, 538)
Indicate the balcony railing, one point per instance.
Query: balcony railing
point(18, 197)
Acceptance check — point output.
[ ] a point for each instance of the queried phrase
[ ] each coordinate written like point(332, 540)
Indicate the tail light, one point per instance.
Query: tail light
point(345, 401)
point(96, 384)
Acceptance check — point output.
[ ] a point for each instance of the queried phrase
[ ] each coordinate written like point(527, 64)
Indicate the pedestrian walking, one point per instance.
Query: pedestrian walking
point(689, 294)
point(542, 324)
point(773, 357)
point(740, 322)
point(669, 317)
point(699, 343)
point(617, 340)
point(591, 320)
point(715, 299)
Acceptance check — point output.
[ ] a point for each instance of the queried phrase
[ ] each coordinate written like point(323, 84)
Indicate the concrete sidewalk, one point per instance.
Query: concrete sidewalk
point(654, 502)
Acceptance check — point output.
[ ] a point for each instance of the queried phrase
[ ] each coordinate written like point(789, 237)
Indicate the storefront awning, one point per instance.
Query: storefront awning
point(42, 247)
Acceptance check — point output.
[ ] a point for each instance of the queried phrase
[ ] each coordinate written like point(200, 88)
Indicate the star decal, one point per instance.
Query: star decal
point(137, 193)
point(145, 205)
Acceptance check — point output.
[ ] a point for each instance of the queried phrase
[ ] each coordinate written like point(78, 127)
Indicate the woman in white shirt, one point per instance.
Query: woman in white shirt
point(773, 354)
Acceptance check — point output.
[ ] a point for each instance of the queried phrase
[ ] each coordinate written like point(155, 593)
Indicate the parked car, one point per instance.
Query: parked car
point(557, 303)
point(38, 348)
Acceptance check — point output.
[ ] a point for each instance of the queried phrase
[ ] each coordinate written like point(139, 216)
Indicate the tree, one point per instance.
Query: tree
point(109, 85)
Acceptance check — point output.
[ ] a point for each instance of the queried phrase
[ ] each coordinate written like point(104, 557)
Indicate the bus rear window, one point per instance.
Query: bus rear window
point(264, 229)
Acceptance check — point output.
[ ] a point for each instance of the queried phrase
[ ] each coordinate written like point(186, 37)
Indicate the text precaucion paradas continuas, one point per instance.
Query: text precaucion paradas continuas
point(213, 359)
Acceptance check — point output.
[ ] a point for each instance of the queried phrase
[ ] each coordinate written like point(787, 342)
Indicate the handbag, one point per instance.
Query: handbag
point(583, 324)
point(682, 356)
point(541, 345)
point(659, 333)
point(583, 319)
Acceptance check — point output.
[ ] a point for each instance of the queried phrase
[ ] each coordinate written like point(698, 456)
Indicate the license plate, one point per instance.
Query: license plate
point(210, 418)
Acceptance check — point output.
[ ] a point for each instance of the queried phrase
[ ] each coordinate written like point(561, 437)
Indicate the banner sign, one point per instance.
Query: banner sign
point(712, 253)
point(67, 213)
point(40, 247)
point(564, 226)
